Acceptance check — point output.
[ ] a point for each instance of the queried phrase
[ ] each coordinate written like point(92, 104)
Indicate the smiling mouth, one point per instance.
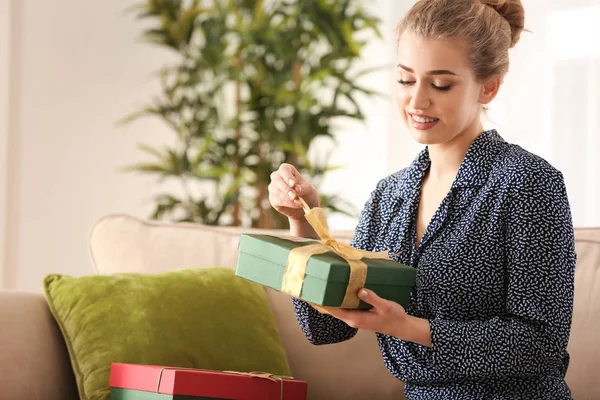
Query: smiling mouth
point(422, 119)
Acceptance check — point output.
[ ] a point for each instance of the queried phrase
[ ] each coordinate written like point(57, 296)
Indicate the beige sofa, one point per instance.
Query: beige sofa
point(34, 363)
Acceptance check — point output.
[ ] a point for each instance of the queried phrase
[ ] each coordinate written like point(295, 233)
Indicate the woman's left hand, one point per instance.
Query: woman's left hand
point(385, 317)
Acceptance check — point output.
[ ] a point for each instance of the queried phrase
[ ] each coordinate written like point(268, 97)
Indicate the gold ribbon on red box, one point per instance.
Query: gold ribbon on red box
point(253, 374)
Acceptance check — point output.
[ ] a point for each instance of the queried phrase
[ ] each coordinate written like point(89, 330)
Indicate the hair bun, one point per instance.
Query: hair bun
point(513, 12)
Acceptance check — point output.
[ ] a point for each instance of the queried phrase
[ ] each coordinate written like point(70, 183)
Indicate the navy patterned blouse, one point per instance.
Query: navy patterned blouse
point(495, 277)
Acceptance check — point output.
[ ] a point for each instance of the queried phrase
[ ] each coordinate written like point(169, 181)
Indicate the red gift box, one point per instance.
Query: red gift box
point(205, 383)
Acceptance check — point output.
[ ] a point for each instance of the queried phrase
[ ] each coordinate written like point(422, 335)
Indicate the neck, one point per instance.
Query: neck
point(447, 157)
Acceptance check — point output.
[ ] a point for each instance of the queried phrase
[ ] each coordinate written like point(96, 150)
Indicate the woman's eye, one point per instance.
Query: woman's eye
point(442, 88)
point(436, 87)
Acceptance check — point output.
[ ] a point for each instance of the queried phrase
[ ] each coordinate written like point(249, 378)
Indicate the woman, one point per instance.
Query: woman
point(486, 224)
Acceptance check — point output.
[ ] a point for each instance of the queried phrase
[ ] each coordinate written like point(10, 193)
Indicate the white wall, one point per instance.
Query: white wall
point(574, 59)
point(549, 103)
point(77, 69)
point(4, 84)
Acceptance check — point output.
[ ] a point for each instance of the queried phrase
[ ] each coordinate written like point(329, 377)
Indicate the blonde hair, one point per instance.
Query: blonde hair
point(490, 27)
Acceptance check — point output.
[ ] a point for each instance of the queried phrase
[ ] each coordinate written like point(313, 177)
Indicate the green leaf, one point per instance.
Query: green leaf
point(150, 150)
point(143, 167)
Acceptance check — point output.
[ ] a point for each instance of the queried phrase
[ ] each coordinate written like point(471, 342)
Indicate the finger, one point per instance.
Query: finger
point(280, 200)
point(285, 188)
point(368, 296)
point(303, 188)
point(289, 174)
point(278, 185)
point(292, 178)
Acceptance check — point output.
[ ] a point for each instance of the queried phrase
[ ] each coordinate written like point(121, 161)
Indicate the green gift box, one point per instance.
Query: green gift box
point(128, 394)
point(263, 259)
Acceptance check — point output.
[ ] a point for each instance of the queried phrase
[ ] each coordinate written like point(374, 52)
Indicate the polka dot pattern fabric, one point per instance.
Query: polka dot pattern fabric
point(495, 277)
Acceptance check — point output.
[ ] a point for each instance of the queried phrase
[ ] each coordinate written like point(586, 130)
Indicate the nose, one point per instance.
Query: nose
point(420, 98)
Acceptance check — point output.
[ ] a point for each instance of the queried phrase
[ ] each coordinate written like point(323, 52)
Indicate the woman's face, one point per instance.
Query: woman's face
point(437, 93)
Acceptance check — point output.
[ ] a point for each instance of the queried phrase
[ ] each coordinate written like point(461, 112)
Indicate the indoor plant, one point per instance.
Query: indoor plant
point(255, 83)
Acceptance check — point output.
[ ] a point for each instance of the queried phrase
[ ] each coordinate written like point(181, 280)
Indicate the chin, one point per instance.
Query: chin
point(428, 137)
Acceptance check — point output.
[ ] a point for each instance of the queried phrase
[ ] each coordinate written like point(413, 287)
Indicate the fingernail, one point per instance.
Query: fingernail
point(362, 294)
point(292, 195)
point(291, 182)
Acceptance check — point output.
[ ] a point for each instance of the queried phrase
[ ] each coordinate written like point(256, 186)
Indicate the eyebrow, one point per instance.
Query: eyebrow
point(433, 72)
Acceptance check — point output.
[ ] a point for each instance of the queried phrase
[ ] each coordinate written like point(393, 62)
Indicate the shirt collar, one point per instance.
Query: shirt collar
point(473, 170)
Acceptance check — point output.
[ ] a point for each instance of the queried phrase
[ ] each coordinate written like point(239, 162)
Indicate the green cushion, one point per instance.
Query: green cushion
point(192, 318)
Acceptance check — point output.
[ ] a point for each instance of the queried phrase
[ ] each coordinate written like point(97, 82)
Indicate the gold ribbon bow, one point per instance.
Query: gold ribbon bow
point(293, 278)
point(265, 375)
point(253, 374)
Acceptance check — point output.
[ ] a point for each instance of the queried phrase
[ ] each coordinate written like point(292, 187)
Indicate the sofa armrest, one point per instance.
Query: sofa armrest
point(33, 356)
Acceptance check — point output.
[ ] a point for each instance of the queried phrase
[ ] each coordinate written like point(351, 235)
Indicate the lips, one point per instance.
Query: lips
point(420, 118)
point(422, 122)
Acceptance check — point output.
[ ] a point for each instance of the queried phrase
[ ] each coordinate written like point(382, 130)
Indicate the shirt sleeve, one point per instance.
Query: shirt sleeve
point(530, 339)
point(323, 328)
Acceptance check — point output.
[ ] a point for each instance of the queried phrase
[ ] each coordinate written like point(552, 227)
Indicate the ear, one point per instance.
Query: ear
point(490, 89)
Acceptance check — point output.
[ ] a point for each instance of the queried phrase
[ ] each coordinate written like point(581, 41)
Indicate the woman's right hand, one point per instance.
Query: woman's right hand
point(285, 187)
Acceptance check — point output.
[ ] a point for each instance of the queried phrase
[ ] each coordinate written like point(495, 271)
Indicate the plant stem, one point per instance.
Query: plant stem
point(265, 220)
point(237, 134)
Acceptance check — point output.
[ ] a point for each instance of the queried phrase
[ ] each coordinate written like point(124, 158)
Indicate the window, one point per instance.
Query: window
point(574, 43)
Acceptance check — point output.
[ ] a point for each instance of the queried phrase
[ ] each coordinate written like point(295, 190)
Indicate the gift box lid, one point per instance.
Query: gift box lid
point(328, 266)
point(205, 383)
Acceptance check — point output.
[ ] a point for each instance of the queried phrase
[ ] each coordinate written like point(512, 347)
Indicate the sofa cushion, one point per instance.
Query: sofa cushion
point(33, 356)
point(584, 346)
point(123, 243)
point(192, 318)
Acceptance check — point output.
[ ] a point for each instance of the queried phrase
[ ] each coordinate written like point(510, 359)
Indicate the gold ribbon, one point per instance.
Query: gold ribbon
point(293, 278)
point(265, 375)
point(253, 374)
